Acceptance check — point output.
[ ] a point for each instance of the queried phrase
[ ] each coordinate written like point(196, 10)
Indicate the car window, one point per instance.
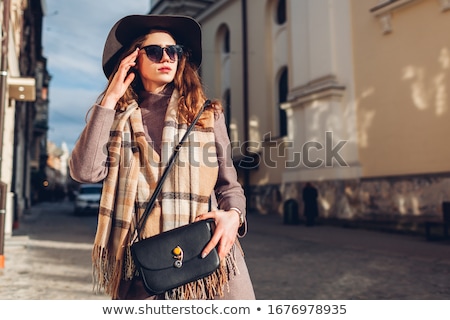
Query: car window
point(90, 190)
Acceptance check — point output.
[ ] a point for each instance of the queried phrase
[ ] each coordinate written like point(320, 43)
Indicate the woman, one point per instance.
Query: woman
point(152, 95)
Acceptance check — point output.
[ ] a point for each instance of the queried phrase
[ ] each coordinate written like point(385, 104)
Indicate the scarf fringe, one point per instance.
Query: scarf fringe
point(106, 272)
point(130, 267)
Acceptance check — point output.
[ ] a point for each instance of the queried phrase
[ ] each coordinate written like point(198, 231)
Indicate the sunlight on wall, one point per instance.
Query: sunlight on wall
point(444, 58)
point(324, 203)
point(418, 89)
point(426, 91)
point(415, 205)
point(315, 124)
point(441, 81)
point(401, 205)
point(351, 125)
point(366, 119)
point(290, 120)
point(441, 94)
point(405, 202)
point(365, 124)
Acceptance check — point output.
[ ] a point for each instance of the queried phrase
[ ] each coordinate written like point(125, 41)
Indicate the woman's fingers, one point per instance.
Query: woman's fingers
point(121, 80)
point(224, 233)
point(219, 241)
point(211, 244)
point(126, 65)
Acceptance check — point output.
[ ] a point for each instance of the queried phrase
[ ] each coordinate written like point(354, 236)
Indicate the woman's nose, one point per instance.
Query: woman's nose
point(165, 57)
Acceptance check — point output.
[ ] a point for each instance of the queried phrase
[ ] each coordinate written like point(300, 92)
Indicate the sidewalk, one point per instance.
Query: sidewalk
point(45, 261)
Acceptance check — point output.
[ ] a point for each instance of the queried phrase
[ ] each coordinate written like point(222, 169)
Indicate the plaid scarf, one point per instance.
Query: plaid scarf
point(134, 169)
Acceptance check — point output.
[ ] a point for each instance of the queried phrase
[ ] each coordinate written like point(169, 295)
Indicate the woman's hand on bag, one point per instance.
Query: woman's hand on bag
point(227, 224)
point(121, 81)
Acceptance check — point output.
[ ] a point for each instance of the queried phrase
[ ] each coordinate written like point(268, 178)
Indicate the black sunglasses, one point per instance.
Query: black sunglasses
point(155, 52)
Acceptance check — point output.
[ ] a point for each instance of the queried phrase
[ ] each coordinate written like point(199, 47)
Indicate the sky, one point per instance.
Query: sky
point(74, 33)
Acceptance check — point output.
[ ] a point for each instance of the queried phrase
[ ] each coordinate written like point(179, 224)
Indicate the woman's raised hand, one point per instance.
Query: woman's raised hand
point(121, 81)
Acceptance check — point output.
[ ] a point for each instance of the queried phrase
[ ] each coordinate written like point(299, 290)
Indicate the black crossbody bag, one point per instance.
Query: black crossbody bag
point(173, 258)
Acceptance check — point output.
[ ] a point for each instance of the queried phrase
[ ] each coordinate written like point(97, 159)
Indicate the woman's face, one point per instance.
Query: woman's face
point(155, 75)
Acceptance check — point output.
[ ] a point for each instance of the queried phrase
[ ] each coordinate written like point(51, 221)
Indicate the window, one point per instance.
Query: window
point(281, 12)
point(282, 97)
point(226, 41)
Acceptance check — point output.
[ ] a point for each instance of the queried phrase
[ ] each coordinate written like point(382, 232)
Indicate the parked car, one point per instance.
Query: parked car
point(87, 199)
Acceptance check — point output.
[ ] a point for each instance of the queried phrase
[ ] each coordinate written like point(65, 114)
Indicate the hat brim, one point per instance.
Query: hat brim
point(184, 29)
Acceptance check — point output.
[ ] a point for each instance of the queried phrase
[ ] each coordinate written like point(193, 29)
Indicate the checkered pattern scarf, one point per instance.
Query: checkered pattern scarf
point(134, 169)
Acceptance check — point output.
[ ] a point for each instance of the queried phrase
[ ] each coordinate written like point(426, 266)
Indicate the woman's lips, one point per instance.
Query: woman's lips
point(165, 69)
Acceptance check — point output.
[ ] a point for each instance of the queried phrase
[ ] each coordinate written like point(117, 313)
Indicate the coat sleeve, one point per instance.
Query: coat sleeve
point(228, 190)
point(87, 163)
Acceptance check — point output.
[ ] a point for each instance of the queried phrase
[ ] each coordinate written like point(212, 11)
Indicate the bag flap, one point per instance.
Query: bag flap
point(156, 253)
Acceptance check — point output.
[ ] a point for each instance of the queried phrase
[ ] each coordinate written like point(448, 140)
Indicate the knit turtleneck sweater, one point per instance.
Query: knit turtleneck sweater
point(153, 109)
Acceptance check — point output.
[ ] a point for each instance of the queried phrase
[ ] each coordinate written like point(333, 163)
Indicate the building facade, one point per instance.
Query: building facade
point(24, 107)
point(350, 95)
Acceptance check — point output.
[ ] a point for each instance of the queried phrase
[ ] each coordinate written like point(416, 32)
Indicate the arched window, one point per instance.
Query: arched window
point(282, 97)
point(281, 12)
point(226, 41)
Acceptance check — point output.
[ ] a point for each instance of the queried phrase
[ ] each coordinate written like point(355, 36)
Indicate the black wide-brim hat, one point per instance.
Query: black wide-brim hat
point(186, 31)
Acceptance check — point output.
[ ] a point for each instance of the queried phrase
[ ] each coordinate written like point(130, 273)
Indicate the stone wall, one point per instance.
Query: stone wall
point(416, 197)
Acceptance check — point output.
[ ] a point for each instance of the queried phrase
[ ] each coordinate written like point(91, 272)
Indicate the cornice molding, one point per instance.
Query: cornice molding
point(389, 6)
point(322, 88)
point(383, 12)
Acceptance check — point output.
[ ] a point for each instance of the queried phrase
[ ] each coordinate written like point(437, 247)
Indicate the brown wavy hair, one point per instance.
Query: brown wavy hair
point(187, 81)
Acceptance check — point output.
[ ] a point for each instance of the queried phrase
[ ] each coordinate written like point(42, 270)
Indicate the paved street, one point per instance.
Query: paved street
point(328, 263)
point(48, 257)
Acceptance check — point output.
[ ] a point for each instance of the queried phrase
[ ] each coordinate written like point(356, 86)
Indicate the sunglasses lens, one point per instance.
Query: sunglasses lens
point(171, 52)
point(155, 53)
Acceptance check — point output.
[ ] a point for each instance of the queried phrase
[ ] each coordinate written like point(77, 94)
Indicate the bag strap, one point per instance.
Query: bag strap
point(151, 202)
